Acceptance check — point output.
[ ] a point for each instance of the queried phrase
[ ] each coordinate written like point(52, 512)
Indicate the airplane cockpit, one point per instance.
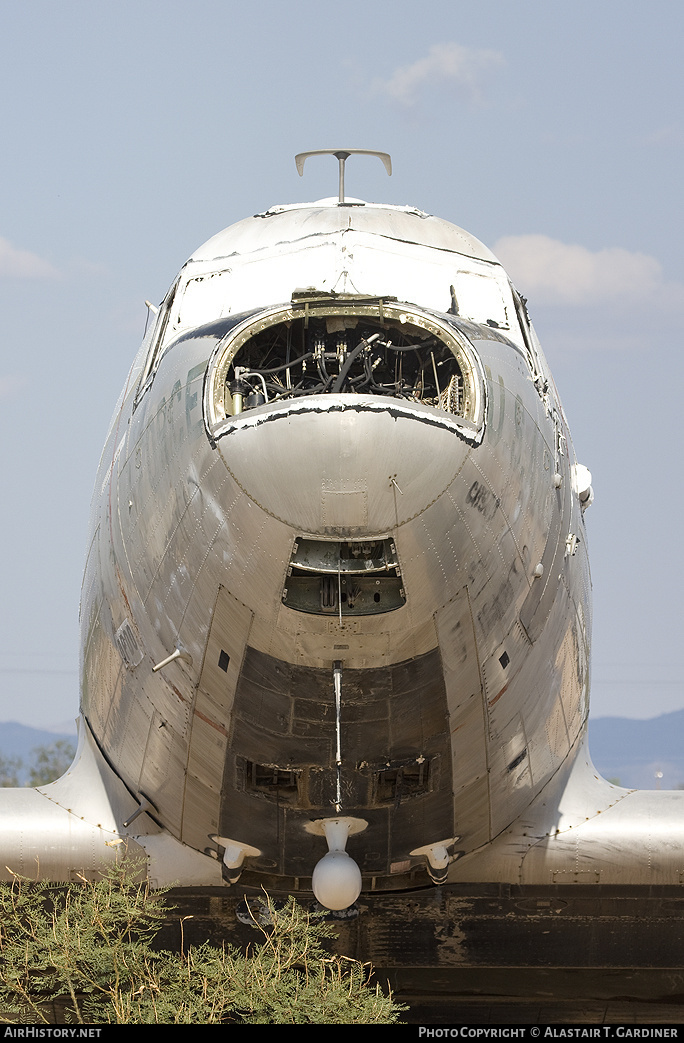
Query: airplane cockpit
point(380, 297)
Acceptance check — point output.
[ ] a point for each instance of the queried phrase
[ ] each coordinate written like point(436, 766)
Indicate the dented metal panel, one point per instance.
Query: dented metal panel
point(211, 719)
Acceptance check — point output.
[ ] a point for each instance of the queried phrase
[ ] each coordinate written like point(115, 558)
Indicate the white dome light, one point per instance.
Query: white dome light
point(336, 880)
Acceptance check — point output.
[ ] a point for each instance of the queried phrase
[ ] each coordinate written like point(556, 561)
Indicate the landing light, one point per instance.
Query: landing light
point(336, 880)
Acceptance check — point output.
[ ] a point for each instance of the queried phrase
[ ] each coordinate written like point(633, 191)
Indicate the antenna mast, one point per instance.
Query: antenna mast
point(342, 155)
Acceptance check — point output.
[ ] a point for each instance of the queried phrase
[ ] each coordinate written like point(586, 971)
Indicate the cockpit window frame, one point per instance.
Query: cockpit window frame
point(155, 353)
point(533, 360)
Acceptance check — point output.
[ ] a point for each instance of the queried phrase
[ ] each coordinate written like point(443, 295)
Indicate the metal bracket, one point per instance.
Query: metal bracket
point(342, 155)
point(143, 806)
point(180, 653)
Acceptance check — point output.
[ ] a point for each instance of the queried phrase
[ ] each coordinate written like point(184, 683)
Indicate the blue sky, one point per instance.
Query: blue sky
point(132, 132)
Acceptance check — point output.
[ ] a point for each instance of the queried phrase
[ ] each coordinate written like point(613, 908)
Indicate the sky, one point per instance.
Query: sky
point(132, 132)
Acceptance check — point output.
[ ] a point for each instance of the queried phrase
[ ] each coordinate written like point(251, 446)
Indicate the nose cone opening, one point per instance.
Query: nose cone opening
point(344, 346)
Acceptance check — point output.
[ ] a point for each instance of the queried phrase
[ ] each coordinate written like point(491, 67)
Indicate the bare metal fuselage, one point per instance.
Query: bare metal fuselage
point(415, 522)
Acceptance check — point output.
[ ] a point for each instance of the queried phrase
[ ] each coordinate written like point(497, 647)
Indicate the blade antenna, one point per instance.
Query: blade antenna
point(342, 155)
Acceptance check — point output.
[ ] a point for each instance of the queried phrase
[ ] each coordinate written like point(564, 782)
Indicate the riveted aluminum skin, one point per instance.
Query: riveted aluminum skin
point(211, 735)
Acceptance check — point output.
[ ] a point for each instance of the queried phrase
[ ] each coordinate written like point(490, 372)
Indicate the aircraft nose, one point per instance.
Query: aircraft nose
point(335, 467)
point(343, 416)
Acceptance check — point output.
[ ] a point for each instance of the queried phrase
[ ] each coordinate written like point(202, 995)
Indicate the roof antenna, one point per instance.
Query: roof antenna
point(342, 155)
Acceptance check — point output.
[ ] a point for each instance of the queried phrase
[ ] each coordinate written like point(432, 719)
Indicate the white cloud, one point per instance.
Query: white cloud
point(22, 264)
point(551, 272)
point(450, 65)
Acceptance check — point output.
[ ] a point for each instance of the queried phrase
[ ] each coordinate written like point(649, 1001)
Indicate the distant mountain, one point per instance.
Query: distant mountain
point(622, 749)
point(17, 740)
point(633, 751)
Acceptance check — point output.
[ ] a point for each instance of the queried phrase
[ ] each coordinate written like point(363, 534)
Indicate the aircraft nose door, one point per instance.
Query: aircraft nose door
point(349, 415)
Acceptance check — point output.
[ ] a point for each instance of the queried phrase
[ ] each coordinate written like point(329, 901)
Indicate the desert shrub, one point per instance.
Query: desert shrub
point(86, 951)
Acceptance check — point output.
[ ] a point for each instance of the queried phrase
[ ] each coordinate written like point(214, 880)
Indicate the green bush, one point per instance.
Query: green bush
point(86, 951)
